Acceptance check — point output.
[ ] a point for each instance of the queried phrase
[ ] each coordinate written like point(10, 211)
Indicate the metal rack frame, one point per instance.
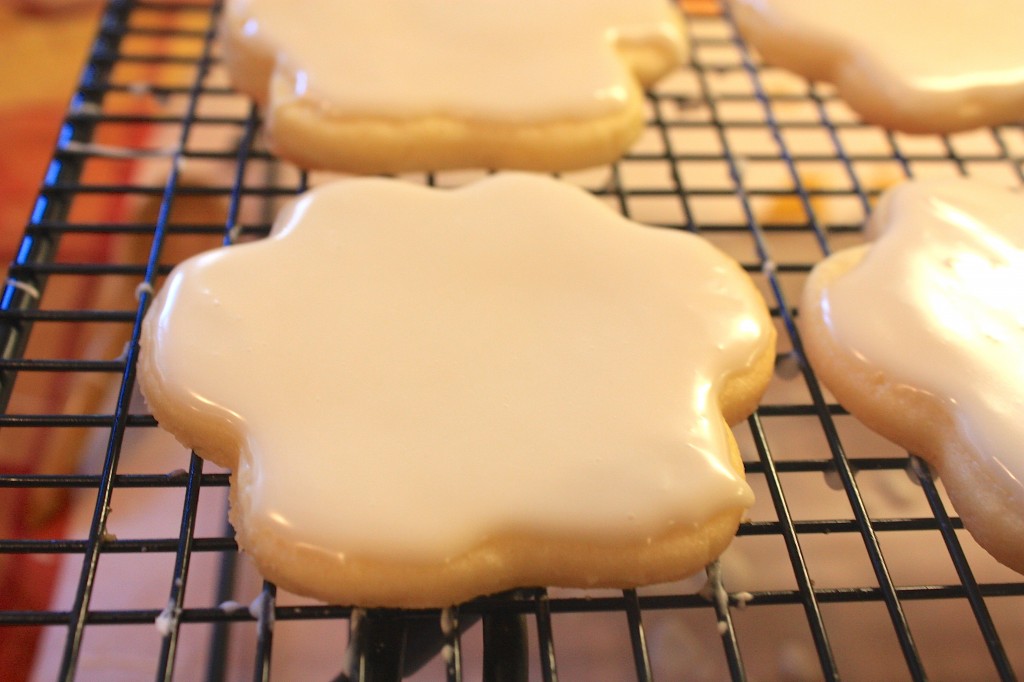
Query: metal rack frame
point(744, 118)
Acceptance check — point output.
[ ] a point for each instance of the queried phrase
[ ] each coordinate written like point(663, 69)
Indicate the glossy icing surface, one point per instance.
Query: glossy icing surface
point(495, 59)
point(928, 64)
point(937, 304)
point(414, 371)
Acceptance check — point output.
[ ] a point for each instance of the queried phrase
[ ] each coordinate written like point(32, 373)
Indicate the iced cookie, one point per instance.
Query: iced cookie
point(920, 66)
point(921, 335)
point(408, 85)
point(427, 395)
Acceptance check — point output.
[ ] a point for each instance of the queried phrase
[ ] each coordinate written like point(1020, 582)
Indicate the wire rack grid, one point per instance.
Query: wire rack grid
point(852, 563)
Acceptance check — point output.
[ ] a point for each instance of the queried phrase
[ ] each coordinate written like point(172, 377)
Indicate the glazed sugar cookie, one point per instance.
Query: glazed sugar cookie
point(427, 395)
point(921, 334)
point(409, 85)
point(920, 66)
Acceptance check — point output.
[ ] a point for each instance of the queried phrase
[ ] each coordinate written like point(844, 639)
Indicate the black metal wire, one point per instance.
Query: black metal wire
point(509, 650)
point(845, 471)
point(924, 476)
point(183, 555)
point(637, 637)
point(545, 638)
point(963, 569)
point(789, 531)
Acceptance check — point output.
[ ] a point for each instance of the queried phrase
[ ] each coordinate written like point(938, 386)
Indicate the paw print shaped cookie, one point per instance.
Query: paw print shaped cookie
point(410, 85)
point(921, 336)
point(427, 395)
point(919, 66)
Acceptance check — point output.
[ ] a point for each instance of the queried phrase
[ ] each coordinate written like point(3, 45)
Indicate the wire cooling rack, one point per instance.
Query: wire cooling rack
point(852, 563)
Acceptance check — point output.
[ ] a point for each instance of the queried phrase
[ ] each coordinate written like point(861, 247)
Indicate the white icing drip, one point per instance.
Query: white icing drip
point(495, 59)
point(86, 108)
point(514, 349)
point(166, 620)
point(447, 622)
point(231, 606)
point(123, 355)
point(113, 152)
point(256, 605)
point(143, 288)
point(348, 661)
point(262, 609)
point(714, 591)
point(29, 289)
point(936, 304)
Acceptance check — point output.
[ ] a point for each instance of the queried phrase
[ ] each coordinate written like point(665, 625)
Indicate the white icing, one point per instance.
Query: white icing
point(936, 303)
point(165, 620)
point(934, 64)
point(742, 599)
point(498, 59)
point(143, 289)
point(262, 609)
point(413, 371)
point(448, 622)
point(714, 591)
point(348, 661)
point(29, 289)
point(231, 606)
